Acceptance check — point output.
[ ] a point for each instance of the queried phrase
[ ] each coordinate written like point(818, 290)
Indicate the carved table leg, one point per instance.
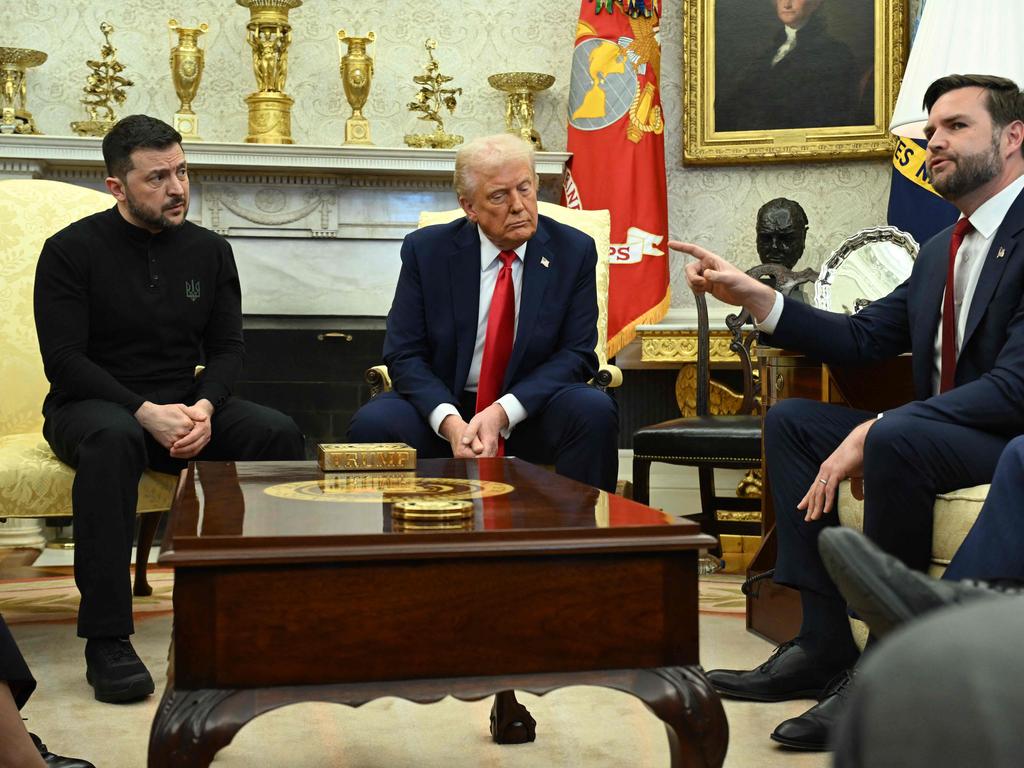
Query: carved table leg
point(191, 726)
point(682, 697)
point(511, 722)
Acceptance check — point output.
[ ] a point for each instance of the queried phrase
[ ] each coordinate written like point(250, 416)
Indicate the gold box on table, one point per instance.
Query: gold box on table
point(361, 457)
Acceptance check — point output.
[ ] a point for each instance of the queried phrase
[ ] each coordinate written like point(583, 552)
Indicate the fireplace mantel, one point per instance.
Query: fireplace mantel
point(316, 230)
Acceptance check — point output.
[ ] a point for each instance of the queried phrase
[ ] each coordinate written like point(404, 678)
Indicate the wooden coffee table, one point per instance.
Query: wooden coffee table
point(291, 585)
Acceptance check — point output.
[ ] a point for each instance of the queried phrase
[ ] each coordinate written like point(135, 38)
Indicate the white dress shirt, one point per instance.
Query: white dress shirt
point(490, 265)
point(967, 269)
point(787, 45)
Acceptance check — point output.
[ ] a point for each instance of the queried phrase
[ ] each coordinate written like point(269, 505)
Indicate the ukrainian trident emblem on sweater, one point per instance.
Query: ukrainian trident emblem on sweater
point(192, 289)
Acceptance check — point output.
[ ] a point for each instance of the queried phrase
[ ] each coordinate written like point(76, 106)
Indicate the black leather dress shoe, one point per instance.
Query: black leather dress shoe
point(789, 673)
point(56, 760)
point(115, 671)
point(810, 731)
point(882, 590)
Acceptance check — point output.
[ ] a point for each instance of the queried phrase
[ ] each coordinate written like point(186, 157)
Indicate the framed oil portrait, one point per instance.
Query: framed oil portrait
point(785, 80)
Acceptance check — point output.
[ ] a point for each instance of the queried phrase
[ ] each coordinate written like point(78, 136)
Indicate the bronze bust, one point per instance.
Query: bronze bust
point(781, 235)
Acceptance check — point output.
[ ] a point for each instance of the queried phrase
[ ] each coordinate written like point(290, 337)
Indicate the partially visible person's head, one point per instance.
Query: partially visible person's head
point(796, 13)
point(147, 173)
point(497, 187)
point(975, 125)
point(781, 232)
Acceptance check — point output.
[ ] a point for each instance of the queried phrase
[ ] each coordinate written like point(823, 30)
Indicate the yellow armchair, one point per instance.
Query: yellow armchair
point(33, 482)
point(597, 224)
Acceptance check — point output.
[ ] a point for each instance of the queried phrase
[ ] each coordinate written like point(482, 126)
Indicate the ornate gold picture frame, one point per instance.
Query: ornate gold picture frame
point(736, 107)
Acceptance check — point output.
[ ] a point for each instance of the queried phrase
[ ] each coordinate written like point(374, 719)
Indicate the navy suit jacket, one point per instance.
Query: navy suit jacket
point(432, 325)
point(989, 392)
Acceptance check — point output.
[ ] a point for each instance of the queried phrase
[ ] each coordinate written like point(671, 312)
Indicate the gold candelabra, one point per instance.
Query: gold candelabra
point(431, 98)
point(187, 61)
point(104, 87)
point(356, 70)
point(14, 115)
point(519, 88)
point(269, 34)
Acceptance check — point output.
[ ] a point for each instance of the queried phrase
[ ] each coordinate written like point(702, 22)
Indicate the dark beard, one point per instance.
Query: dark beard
point(971, 172)
point(155, 220)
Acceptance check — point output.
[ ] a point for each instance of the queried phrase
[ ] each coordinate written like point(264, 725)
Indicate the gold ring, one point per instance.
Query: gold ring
point(823, 481)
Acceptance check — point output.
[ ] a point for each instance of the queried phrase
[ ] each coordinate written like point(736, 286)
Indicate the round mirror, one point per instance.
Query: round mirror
point(866, 267)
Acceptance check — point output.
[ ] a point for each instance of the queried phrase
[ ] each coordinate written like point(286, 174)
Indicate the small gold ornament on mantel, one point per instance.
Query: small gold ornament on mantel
point(187, 61)
point(356, 71)
point(519, 88)
point(269, 34)
point(14, 115)
point(103, 88)
point(431, 98)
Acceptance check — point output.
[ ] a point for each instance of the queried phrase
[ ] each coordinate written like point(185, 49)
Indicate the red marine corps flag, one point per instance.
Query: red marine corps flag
point(618, 163)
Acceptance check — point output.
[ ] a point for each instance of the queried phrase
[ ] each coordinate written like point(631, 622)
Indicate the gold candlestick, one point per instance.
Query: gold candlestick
point(187, 61)
point(356, 71)
point(14, 115)
point(520, 88)
point(104, 87)
point(269, 35)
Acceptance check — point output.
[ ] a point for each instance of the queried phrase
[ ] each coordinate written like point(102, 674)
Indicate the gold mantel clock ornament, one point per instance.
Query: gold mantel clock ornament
point(14, 115)
point(356, 71)
point(431, 98)
point(269, 34)
point(104, 87)
point(519, 88)
point(187, 60)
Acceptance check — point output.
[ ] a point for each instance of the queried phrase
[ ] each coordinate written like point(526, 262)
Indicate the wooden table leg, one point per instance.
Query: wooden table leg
point(511, 722)
point(682, 697)
point(191, 726)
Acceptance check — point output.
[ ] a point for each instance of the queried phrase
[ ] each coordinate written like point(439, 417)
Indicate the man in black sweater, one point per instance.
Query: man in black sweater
point(127, 302)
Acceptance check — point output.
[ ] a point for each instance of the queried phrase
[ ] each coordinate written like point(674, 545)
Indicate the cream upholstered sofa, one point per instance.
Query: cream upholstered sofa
point(598, 225)
point(33, 482)
point(955, 513)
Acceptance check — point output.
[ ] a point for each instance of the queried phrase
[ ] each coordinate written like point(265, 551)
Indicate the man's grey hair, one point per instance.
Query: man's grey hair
point(488, 153)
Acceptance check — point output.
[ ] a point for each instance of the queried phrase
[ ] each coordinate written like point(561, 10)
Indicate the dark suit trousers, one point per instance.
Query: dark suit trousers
point(994, 548)
point(907, 461)
point(577, 432)
point(110, 450)
point(13, 669)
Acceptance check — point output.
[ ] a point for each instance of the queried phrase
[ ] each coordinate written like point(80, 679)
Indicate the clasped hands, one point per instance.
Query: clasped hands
point(183, 429)
point(477, 438)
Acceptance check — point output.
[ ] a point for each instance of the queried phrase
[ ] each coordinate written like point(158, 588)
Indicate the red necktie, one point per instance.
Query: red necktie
point(501, 325)
point(946, 382)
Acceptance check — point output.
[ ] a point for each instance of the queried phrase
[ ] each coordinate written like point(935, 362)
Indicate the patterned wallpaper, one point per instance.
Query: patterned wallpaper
point(714, 206)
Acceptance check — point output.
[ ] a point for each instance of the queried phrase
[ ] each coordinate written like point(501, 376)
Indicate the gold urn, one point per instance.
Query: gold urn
point(356, 71)
point(14, 115)
point(269, 34)
point(187, 61)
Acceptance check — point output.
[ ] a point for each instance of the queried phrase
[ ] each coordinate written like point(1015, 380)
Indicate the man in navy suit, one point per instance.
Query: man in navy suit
point(961, 314)
point(450, 398)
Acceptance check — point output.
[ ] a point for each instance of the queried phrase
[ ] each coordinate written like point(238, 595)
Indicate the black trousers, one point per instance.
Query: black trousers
point(109, 450)
point(577, 432)
point(907, 461)
point(13, 669)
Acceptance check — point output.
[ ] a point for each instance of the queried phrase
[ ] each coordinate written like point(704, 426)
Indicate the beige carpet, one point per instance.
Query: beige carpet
point(576, 726)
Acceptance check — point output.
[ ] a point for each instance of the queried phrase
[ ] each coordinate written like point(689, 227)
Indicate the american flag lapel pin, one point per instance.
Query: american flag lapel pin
point(545, 263)
point(1001, 252)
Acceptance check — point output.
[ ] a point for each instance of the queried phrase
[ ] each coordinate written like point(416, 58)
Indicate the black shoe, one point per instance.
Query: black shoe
point(883, 591)
point(56, 760)
point(789, 673)
point(810, 731)
point(115, 671)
